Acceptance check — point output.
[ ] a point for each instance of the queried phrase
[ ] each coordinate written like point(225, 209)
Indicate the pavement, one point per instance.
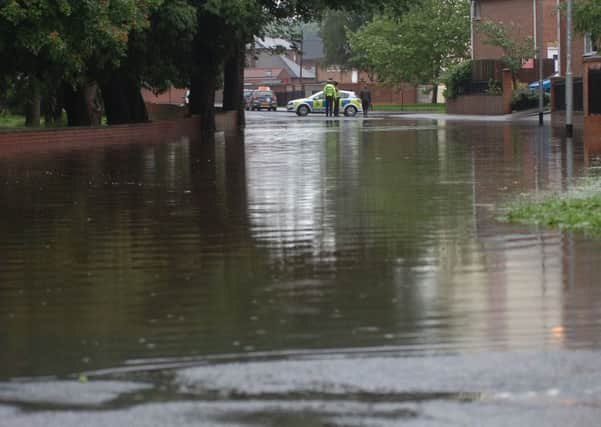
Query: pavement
point(526, 115)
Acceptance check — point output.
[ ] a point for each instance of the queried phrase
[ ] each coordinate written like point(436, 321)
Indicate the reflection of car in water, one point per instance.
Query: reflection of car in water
point(261, 98)
point(316, 103)
point(546, 85)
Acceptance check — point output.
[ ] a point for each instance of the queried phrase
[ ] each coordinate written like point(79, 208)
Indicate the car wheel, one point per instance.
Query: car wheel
point(350, 111)
point(303, 110)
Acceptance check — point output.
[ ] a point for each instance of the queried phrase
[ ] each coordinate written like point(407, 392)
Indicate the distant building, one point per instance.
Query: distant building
point(275, 62)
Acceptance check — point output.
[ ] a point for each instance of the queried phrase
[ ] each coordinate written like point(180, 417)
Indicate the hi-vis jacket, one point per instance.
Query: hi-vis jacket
point(329, 90)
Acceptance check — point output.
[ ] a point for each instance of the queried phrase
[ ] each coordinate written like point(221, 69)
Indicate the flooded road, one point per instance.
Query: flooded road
point(347, 272)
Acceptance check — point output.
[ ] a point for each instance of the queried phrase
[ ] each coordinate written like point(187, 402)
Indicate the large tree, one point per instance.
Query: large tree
point(587, 19)
point(158, 56)
point(335, 26)
point(416, 46)
point(53, 45)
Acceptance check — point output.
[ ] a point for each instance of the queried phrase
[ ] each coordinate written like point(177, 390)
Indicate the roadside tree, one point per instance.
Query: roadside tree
point(416, 46)
point(587, 19)
point(54, 45)
point(510, 38)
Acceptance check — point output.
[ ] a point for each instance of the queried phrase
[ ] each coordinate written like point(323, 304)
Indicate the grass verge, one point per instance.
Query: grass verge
point(11, 121)
point(577, 209)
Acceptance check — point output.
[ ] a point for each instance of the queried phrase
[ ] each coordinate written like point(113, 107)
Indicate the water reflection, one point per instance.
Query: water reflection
point(294, 235)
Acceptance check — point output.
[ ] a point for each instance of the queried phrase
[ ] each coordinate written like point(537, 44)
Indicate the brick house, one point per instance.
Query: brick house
point(523, 14)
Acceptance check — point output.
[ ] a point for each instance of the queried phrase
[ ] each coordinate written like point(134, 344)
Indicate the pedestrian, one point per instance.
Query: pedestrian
point(365, 96)
point(329, 91)
point(336, 100)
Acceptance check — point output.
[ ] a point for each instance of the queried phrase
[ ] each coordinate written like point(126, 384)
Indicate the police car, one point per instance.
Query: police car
point(316, 103)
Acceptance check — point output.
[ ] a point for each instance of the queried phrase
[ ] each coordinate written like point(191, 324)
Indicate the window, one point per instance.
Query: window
point(590, 47)
point(476, 10)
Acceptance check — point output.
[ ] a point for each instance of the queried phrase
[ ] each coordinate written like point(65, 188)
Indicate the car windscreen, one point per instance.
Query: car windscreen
point(263, 93)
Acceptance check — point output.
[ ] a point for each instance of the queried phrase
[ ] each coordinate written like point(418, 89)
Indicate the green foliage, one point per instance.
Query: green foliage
point(526, 99)
point(565, 211)
point(587, 19)
point(516, 47)
point(417, 46)
point(66, 37)
point(457, 79)
point(335, 27)
point(494, 87)
point(11, 120)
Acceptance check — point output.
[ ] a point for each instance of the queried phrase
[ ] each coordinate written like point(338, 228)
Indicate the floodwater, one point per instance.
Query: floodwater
point(311, 272)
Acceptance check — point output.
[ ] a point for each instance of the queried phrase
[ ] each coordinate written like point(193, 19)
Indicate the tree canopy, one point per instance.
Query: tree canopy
point(415, 46)
point(59, 49)
point(587, 19)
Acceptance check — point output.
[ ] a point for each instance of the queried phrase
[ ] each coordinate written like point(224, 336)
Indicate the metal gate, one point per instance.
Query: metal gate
point(559, 95)
point(594, 91)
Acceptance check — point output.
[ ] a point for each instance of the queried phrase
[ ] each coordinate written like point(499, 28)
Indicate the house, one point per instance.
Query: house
point(523, 15)
point(275, 62)
point(520, 15)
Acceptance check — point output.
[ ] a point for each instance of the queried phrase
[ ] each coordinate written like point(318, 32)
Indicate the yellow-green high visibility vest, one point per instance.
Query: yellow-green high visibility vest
point(329, 90)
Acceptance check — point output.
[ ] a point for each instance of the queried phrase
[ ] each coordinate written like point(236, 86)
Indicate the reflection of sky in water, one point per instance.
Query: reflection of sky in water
point(288, 186)
point(472, 271)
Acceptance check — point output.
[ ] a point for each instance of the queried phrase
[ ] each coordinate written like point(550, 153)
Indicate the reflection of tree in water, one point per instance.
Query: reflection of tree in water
point(112, 249)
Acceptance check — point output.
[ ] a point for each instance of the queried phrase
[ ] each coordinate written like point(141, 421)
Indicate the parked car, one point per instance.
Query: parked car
point(261, 98)
point(350, 104)
point(546, 85)
point(246, 96)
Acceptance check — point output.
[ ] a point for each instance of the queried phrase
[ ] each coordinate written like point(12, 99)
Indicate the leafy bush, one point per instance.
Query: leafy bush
point(457, 79)
point(494, 87)
point(526, 99)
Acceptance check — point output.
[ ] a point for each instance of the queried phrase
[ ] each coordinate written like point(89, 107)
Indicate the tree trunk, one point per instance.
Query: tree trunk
point(233, 81)
point(52, 107)
point(434, 93)
point(83, 105)
point(33, 109)
point(202, 93)
point(123, 102)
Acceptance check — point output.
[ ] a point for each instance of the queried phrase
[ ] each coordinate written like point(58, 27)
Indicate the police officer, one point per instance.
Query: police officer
point(336, 100)
point(365, 96)
point(329, 91)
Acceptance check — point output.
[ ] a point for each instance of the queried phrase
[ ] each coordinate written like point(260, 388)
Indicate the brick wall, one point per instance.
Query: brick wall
point(476, 105)
point(592, 138)
point(590, 64)
point(407, 94)
point(520, 12)
point(20, 140)
point(172, 96)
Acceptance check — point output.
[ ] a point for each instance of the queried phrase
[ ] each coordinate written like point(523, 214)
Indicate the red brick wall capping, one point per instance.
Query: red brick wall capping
point(77, 137)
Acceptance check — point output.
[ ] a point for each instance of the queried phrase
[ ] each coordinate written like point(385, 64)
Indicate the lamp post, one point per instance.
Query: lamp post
point(569, 77)
point(539, 43)
point(301, 60)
